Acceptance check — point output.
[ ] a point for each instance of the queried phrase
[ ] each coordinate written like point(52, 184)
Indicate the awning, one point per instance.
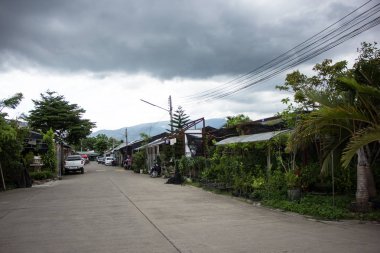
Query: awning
point(251, 138)
point(152, 144)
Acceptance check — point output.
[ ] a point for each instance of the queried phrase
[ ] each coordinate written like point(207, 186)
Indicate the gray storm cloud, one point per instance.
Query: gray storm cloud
point(166, 39)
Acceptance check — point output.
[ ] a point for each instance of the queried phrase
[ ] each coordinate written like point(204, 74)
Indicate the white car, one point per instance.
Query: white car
point(109, 161)
point(74, 163)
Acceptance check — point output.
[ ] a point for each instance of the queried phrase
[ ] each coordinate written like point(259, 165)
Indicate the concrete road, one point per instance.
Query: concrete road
point(108, 209)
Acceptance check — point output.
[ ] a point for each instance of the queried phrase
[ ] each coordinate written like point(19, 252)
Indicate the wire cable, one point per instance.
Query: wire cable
point(325, 40)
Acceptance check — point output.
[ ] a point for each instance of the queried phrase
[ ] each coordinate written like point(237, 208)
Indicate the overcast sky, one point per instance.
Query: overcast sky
point(106, 55)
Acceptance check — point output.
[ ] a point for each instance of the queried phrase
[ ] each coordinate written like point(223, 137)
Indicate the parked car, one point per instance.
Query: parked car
point(74, 163)
point(109, 161)
point(100, 159)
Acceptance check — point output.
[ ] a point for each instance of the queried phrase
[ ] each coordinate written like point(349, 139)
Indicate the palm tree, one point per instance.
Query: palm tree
point(346, 114)
point(349, 122)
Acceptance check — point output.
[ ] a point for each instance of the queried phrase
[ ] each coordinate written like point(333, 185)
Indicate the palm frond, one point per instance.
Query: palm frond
point(360, 88)
point(346, 112)
point(360, 139)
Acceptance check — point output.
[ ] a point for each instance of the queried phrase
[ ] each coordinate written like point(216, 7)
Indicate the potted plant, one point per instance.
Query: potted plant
point(293, 185)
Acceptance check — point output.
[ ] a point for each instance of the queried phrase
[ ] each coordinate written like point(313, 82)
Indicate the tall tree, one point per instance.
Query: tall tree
point(54, 112)
point(87, 144)
point(179, 120)
point(112, 142)
point(101, 144)
point(299, 85)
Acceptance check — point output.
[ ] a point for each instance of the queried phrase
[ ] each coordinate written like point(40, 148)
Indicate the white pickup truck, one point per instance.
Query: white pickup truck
point(74, 163)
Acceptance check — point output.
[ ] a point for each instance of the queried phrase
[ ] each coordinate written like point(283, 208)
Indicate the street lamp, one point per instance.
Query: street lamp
point(170, 110)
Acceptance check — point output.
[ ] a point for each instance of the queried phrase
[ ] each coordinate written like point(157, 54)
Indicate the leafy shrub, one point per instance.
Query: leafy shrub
point(258, 183)
point(200, 164)
point(292, 179)
point(192, 167)
point(49, 159)
point(276, 185)
point(138, 162)
point(28, 158)
point(185, 165)
point(310, 175)
point(41, 175)
point(345, 180)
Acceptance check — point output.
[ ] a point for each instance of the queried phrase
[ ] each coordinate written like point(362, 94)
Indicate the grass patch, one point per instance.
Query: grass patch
point(321, 207)
point(317, 206)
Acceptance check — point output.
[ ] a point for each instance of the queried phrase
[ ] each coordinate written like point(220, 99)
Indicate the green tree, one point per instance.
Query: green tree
point(11, 102)
point(53, 111)
point(145, 137)
point(349, 120)
point(11, 140)
point(101, 144)
point(87, 144)
point(112, 142)
point(49, 159)
point(325, 81)
point(179, 120)
point(236, 120)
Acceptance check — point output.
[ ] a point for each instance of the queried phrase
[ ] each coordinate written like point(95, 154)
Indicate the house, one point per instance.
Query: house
point(154, 148)
point(252, 127)
point(253, 131)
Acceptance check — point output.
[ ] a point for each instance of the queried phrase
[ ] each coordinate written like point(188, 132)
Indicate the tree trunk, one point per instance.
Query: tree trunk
point(362, 195)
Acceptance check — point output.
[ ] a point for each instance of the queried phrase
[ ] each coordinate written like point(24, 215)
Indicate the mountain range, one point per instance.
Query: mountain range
point(150, 129)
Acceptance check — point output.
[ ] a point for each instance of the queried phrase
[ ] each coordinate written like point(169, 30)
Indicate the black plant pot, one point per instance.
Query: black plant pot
point(294, 194)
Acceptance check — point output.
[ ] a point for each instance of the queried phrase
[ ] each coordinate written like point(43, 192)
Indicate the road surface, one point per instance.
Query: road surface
point(108, 209)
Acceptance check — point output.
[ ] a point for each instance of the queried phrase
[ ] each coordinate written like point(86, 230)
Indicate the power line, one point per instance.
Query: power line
point(315, 53)
point(279, 58)
point(293, 59)
point(324, 40)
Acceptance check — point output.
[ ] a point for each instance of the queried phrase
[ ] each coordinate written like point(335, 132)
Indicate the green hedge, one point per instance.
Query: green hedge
point(41, 175)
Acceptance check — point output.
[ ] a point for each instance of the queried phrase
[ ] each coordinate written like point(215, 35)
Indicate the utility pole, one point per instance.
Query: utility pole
point(171, 114)
point(170, 110)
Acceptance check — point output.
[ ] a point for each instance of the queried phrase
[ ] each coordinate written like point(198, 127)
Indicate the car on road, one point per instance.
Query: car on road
point(100, 159)
point(109, 161)
point(74, 163)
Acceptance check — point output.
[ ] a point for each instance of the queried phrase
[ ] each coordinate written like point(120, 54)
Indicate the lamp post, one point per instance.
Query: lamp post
point(170, 110)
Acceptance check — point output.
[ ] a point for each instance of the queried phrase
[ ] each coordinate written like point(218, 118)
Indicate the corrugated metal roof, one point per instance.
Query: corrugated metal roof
point(251, 138)
point(152, 144)
point(120, 146)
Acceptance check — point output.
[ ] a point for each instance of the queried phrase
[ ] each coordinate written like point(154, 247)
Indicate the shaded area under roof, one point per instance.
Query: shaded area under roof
point(251, 138)
point(152, 144)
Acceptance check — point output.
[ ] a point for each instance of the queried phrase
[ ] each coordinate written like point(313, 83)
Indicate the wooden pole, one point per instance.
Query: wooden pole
point(2, 177)
point(269, 164)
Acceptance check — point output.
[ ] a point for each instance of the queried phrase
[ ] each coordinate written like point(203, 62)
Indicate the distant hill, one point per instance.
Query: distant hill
point(151, 129)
